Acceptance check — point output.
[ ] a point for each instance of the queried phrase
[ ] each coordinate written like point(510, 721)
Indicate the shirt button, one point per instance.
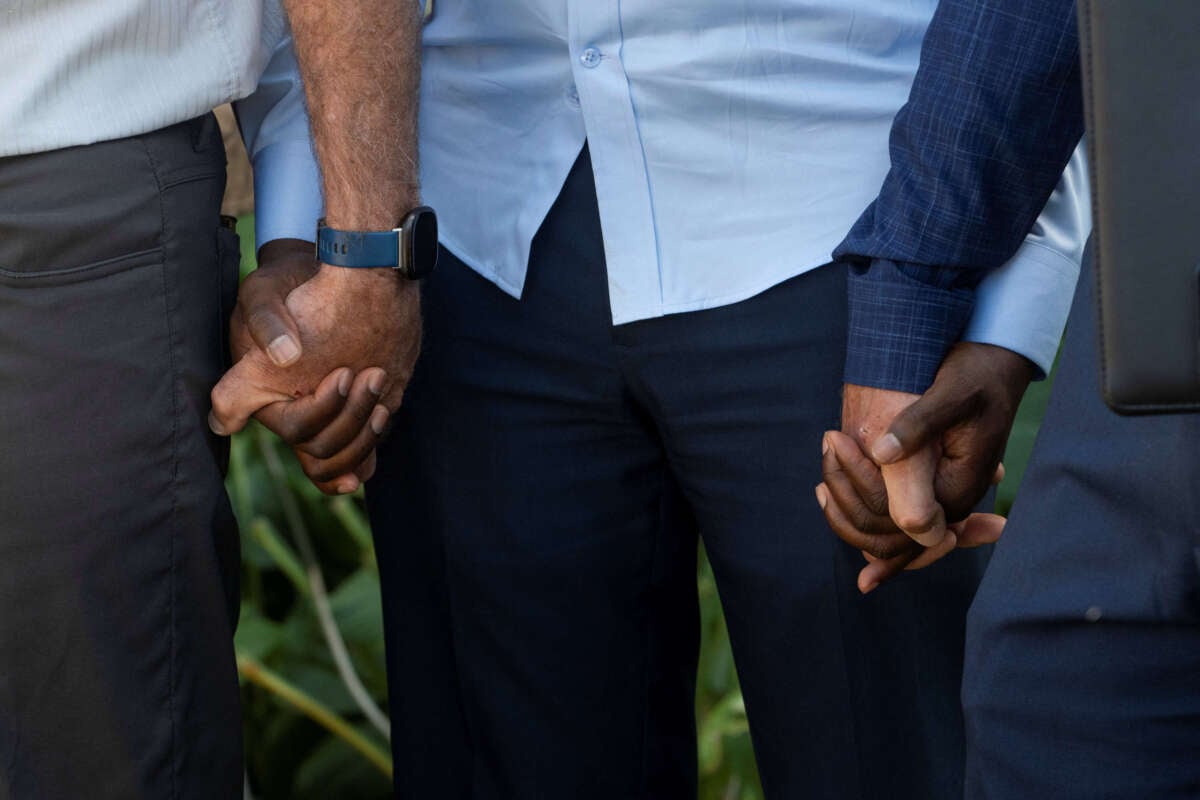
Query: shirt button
point(572, 96)
point(590, 58)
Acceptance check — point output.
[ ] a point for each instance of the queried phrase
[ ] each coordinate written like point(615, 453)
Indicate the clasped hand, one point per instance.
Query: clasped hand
point(322, 356)
point(931, 460)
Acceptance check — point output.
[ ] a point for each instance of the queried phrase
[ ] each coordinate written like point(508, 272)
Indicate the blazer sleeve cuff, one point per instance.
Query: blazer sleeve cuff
point(903, 318)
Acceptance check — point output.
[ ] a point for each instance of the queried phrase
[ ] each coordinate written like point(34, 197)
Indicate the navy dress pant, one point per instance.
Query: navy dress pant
point(1083, 650)
point(536, 515)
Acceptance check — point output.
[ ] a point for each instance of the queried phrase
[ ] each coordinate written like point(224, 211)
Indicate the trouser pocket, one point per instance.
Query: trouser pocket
point(117, 548)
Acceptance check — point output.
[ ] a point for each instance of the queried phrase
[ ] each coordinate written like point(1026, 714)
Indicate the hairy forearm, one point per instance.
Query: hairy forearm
point(361, 67)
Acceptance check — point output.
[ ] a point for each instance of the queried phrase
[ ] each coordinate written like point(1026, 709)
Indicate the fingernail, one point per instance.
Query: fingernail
point(870, 587)
point(344, 384)
point(375, 384)
point(215, 426)
point(824, 445)
point(886, 449)
point(379, 418)
point(822, 496)
point(347, 486)
point(283, 350)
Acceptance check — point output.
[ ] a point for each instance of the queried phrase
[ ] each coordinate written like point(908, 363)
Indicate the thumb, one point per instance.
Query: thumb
point(911, 500)
point(269, 322)
point(922, 423)
point(239, 395)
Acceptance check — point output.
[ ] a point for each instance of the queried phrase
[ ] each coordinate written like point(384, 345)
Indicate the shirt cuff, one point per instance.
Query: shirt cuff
point(1023, 306)
point(903, 320)
point(287, 193)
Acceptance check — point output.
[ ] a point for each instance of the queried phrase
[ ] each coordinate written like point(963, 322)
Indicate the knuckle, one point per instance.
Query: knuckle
point(251, 282)
point(877, 501)
point(356, 455)
point(915, 520)
point(222, 402)
point(861, 519)
point(361, 411)
point(880, 549)
point(306, 429)
point(253, 289)
point(260, 316)
point(288, 429)
point(319, 448)
point(888, 549)
point(321, 472)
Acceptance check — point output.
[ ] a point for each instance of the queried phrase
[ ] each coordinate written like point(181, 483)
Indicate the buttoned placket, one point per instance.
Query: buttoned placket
point(623, 187)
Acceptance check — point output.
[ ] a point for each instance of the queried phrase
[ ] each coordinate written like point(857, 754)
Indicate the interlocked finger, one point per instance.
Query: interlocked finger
point(914, 557)
point(340, 469)
point(351, 420)
point(298, 420)
point(883, 545)
point(863, 474)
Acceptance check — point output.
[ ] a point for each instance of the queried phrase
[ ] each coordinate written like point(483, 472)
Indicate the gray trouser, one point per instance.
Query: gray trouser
point(1082, 678)
point(118, 549)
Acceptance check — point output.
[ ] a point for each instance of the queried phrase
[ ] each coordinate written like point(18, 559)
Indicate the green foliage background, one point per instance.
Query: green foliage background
point(306, 736)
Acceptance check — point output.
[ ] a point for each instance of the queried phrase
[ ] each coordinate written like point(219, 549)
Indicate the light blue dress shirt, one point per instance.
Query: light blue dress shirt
point(733, 145)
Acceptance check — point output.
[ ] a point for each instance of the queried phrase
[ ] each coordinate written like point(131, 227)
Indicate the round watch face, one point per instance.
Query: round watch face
point(424, 242)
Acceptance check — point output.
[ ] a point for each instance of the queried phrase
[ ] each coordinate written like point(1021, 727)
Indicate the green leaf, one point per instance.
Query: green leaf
point(354, 521)
point(296, 698)
point(322, 683)
point(725, 720)
point(257, 636)
point(245, 232)
point(358, 609)
point(300, 634)
point(264, 533)
point(334, 769)
point(710, 748)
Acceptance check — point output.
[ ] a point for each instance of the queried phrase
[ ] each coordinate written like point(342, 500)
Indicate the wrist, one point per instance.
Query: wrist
point(1014, 367)
point(352, 214)
point(375, 279)
point(1002, 374)
point(277, 249)
point(411, 247)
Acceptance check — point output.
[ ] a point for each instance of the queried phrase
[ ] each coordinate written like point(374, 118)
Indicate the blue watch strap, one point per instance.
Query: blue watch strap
point(358, 248)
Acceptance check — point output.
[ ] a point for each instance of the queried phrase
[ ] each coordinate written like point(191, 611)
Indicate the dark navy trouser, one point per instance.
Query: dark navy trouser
point(536, 515)
point(1083, 650)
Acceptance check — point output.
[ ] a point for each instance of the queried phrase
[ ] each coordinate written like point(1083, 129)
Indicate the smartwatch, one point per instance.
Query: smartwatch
point(411, 249)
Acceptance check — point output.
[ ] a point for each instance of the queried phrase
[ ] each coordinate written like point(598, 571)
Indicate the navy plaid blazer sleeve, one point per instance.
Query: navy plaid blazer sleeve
point(993, 116)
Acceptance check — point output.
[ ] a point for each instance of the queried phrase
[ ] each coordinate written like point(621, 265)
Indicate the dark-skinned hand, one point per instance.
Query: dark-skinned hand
point(282, 337)
point(937, 455)
point(854, 499)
